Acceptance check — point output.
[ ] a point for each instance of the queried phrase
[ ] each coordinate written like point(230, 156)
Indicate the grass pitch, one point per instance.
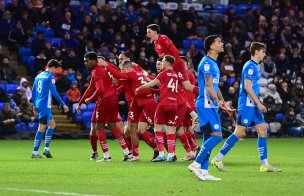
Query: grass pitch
point(71, 172)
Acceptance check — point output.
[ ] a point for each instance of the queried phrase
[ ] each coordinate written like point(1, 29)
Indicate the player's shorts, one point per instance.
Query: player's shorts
point(106, 110)
point(180, 69)
point(134, 112)
point(209, 119)
point(181, 114)
point(166, 115)
point(44, 115)
point(148, 113)
point(250, 116)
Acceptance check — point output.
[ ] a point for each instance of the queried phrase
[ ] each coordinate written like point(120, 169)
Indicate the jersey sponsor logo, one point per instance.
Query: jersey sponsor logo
point(245, 121)
point(250, 71)
point(207, 66)
point(216, 126)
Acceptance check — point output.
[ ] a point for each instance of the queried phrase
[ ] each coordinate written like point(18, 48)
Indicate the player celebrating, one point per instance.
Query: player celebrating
point(250, 110)
point(43, 90)
point(106, 108)
point(164, 46)
point(207, 104)
point(166, 112)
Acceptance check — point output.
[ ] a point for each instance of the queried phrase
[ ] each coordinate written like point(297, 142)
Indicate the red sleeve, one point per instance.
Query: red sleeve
point(160, 76)
point(117, 74)
point(119, 89)
point(167, 43)
point(87, 93)
point(191, 77)
point(99, 85)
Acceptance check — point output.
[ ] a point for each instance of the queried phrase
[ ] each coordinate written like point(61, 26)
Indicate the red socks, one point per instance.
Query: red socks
point(102, 140)
point(159, 139)
point(171, 142)
point(184, 140)
point(93, 141)
point(149, 139)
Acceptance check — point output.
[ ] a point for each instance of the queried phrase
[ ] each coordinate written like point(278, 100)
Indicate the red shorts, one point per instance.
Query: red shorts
point(181, 113)
point(180, 69)
point(106, 110)
point(148, 113)
point(166, 115)
point(134, 112)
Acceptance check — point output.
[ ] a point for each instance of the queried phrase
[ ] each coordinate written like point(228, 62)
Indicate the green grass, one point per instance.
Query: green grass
point(71, 171)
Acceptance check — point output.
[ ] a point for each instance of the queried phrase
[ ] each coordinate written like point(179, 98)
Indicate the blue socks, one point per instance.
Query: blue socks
point(48, 137)
point(232, 139)
point(205, 163)
point(207, 147)
point(37, 140)
point(262, 147)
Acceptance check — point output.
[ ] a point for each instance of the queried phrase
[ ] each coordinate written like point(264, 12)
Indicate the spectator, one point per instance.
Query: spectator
point(297, 91)
point(63, 83)
point(284, 93)
point(226, 66)
point(232, 97)
point(27, 111)
point(17, 37)
point(3, 96)
point(28, 92)
point(8, 120)
point(18, 94)
point(268, 68)
point(39, 63)
point(37, 45)
point(73, 95)
point(272, 91)
point(7, 72)
point(291, 124)
point(7, 22)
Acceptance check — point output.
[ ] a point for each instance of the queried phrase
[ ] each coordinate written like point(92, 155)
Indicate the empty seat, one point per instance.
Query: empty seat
point(86, 117)
point(162, 5)
point(91, 107)
point(23, 51)
point(197, 6)
point(1, 105)
point(33, 126)
point(11, 88)
point(172, 5)
point(21, 127)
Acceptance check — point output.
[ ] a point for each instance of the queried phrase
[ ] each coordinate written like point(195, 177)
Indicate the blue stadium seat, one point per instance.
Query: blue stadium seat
point(3, 86)
point(186, 43)
point(279, 117)
point(23, 51)
point(11, 88)
point(24, 59)
point(21, 127)
point(220, 8)
point(256, 6)
point(56, 42)
point(91, 107)
point(1, 105)
point(86, 117)
point(78, 117)
point(49, 32)
point(198, 43)
point(39, 28)
point(33, 126)
point(87, 125)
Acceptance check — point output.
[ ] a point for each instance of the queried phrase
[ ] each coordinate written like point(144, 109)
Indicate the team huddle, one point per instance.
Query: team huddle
point(181, 104)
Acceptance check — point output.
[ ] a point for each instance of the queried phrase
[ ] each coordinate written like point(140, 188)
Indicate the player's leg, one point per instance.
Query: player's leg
point(93, 141)
point(171, 142)
point(159, 139)
point(184, 140)
point(146, 135)
point(48, 136)
point(102, 137)
point(43, 118)
point(117, 129)
point(262, 148)
point(229, 143)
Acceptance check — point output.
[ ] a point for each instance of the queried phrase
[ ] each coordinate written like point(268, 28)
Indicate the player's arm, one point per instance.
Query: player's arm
point(212, 92)
point(148, 85)
point(34, 94)
point(227, 105)
point(55, 93)
point(250, 92)
point(117, 74)
point(99, 86)
point(88, 92)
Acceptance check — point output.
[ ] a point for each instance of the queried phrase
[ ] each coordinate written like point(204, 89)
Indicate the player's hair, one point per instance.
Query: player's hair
point(101, 57)
point(126, 64)
point(209, 40)
point(126, 54)
point(169, 59)
point(154, 27)
point(54, 63)
point(91, 55)
point(159, 59)
point(184, 58)
point(256, 46)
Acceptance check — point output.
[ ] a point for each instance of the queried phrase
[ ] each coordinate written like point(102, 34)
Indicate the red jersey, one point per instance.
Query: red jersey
point(135, 79)
point(168, 87)
point(164, 46)
point(96, 82)
point(190, 96)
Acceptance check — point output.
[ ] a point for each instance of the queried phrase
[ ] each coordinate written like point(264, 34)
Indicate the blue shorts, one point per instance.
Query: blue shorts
point(44, 116)
point(250, 116)
point(209, 119)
